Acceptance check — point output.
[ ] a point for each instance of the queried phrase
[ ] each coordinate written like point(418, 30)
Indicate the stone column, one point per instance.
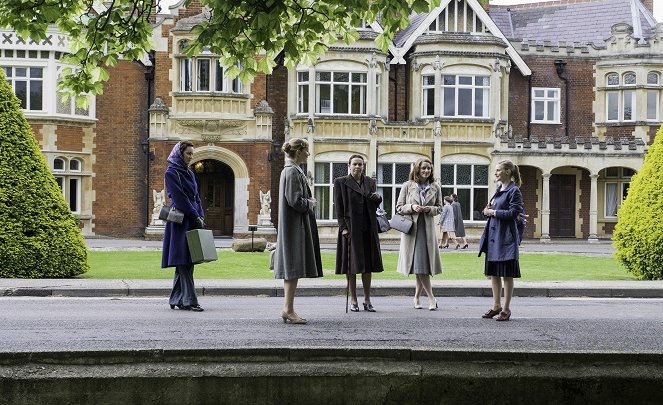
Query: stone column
point(437, 149)
point(545, 209)
point(593, 209)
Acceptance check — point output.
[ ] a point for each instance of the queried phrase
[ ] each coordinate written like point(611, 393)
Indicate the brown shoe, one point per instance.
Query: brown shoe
point(504, 316)
point(491, 313)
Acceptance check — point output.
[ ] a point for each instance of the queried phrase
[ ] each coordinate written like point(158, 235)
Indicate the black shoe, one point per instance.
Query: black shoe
point(172, 306)
point(369, 307)
point(184, 307)
point(196, 308)
point(354, 307)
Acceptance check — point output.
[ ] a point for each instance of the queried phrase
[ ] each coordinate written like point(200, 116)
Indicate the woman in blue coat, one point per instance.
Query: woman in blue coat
point(500, 237)
point(183, 192)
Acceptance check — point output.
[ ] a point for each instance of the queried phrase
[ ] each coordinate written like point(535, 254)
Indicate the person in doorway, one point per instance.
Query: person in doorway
point(459, 225)
point(447, 223)
point(297, 243)
point(183, 192)
point(500, 240)
point(358, 244)
point(421, 198)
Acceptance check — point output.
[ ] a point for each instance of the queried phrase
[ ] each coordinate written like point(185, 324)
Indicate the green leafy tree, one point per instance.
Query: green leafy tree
point(39, 236)
point(638, 235)
point(239, 31)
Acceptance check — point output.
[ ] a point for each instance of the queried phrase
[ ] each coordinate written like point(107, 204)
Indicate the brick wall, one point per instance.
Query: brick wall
point(397, 93)
point(69, 138)
point(119, 183)
point(579, 73)
point(277, 97)
point(621, 131)
point(36, 129)
point(163, 63)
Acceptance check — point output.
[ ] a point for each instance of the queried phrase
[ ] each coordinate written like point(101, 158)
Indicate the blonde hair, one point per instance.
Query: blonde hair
point(513, 168)
point(294, 145)
point(416, 168)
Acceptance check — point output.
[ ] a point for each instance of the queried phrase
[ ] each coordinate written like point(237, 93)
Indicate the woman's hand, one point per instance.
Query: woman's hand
point(374, 197)
point(199, 223)
point(420, 208)
point(346, 234)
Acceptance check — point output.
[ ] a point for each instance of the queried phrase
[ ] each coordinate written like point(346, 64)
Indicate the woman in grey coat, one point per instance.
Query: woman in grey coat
point(500, 237)
point(447, 229)
point(459, 226)
point(297, 243)
point(421, 199)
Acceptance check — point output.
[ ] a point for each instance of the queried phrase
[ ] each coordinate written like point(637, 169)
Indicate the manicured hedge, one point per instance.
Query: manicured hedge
point(638, 235)
point(39, 236)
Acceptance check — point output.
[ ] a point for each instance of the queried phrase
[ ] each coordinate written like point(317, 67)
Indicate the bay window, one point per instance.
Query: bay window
point(465, 96)
point(340, 93)
point(428, 95)
point(27, 84)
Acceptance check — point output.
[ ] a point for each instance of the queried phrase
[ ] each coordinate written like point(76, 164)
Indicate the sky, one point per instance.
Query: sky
point(658, 5)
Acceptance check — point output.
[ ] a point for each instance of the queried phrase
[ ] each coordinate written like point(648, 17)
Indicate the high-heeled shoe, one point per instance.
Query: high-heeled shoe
point(172, 306)
point(354, 307)
point(503, 316)
point(432, 305)
point(294, 319)
point(369, 307)
point(491, 313)
point(464, 247)
point(197, 308)
point(417, 305)
point(445, 246)
point(457, 246)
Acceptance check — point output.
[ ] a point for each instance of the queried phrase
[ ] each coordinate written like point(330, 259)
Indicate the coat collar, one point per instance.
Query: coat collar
point(507, 188)
point(289, 162)
point(351, 183)
point(430, 193)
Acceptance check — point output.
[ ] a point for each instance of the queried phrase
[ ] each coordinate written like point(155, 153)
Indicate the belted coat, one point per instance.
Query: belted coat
point(182, 189)
point(409, 196)
point(500, 235)
point(297, 243)
point(356, 213)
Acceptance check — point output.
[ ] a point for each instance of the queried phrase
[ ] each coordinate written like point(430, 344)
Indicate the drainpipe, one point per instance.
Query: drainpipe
point(529, 105)
point(407, 91)
point(560, 66)
point(149, 77)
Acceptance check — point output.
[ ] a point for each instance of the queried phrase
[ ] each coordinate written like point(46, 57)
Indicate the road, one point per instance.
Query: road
point(538, 324)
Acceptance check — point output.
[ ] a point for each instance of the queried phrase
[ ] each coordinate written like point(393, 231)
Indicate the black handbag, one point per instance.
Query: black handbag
point(401, 223)
point(171, 214)
point(383, 222)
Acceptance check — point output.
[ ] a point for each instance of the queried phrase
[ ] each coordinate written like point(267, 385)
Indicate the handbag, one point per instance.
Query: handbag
point(401, 223)
point(383, 222)
point(171, 214)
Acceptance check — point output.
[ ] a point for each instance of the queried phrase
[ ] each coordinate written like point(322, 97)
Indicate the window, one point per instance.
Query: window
point(302, 92)
point(470, 183)
point(618, 180)
point(27, 84)
point(653, 97)
point(223, 83)
point(325, 173)
point(390, 179)
point(545, 105)
point(340, 93)
point(378, 78)
point(428, 96)
point(620, 101)
point(465, 96)
point(186, 73)
point(204, 73)
point(67, 105)
point(69, 179)
point(457, 17)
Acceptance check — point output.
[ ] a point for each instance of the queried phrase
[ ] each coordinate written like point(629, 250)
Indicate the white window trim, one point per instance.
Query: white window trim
point(657, 107)
point(349, 83)
point(457, 86)
point(471, 161)
point(424, 95)
point(545, 99)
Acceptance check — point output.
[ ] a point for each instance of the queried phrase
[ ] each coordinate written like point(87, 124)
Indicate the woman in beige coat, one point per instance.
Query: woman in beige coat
point(420, 198)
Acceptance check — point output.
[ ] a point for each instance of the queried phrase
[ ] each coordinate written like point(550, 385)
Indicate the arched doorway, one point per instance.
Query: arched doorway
point(216, 184)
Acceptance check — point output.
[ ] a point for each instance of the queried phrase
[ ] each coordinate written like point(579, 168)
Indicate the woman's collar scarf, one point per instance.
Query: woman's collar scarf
point(176, 158)
point(423, 188)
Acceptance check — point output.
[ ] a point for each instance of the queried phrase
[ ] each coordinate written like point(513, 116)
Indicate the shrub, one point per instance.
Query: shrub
point(638, 235)
point(39, 236)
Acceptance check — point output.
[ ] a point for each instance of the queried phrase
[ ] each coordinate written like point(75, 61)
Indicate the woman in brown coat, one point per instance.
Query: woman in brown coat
point(358, 245)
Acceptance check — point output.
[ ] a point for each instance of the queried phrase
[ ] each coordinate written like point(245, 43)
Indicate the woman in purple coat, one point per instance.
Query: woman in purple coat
point(183, 192)
point(500, 237)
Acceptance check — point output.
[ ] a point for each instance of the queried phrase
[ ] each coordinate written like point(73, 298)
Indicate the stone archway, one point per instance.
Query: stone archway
point(240, 207)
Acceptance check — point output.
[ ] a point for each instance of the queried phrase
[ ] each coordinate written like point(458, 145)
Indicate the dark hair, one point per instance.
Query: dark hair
point(294, 145)
point(356, 157)
point(513, 168)
point(454, 196)
point(416, 168)
point(184, 145)
point(449, 199)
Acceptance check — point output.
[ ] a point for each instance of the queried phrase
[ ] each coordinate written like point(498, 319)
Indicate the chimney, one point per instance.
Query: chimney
point(649, 5)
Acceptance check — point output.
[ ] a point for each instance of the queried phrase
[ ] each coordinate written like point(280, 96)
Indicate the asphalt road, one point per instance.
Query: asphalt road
point(538, 324)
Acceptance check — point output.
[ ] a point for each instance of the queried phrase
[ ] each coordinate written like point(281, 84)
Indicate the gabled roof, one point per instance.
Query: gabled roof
point(587, 22)
point(420, 23)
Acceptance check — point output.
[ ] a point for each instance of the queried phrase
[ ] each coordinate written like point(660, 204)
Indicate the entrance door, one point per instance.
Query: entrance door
point(562, 206)
point(216, 183)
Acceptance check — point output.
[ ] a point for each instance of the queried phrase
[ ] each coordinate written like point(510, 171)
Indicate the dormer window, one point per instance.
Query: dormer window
point(458, 16)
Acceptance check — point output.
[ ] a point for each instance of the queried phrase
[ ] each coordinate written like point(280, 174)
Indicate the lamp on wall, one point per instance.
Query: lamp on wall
point(274, 153)
point(145, 146)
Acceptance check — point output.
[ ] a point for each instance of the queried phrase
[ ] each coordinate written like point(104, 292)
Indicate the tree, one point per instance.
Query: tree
point(296, 31)
point(39, 236)
point(638, 234)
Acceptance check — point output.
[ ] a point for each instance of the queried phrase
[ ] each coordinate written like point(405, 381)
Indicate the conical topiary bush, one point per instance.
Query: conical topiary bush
point(39, 236)
point(638, 235)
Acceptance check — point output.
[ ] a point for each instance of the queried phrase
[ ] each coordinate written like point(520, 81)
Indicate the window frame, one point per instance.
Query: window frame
point(622, 182)
point(459, 87)
point(334, 86)
point(472, 187)
point(546, 100)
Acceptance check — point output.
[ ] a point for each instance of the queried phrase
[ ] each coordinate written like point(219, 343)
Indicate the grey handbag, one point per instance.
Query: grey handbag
point(383, 222)
point(401, 223)
point(171, 214)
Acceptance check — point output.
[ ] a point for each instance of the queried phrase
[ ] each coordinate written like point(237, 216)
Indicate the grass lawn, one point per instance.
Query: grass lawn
point(456, 266)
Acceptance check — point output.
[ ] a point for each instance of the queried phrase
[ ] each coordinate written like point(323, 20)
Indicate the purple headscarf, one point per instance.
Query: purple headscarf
point(176, 158)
